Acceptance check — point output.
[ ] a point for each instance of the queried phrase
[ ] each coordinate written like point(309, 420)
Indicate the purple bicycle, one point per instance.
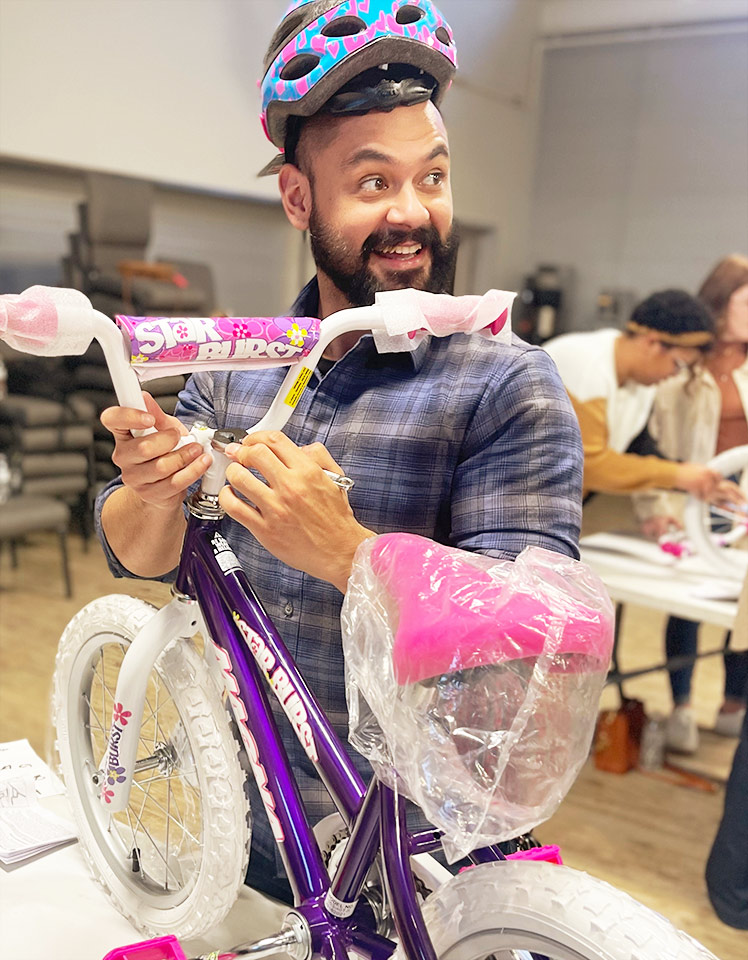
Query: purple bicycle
point(161, 713)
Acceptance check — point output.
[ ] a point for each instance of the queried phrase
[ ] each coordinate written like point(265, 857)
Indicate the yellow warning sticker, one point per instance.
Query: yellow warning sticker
point(299, 385)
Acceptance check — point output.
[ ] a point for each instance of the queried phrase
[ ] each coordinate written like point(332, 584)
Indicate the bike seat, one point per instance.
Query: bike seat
point(452, 615)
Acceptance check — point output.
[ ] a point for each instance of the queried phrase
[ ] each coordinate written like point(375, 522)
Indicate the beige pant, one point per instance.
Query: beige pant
point(739, 639)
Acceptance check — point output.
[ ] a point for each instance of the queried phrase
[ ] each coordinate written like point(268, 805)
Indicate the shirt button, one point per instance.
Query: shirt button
point(288, 609)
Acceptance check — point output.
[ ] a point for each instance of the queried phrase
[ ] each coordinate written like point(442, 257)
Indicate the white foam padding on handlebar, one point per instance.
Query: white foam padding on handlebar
point(409, 315)
point(47, 321)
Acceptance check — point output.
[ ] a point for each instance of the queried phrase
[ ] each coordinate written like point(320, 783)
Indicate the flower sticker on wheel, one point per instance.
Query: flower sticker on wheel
point(296, 335)
point(121, 715)
point(115, 775)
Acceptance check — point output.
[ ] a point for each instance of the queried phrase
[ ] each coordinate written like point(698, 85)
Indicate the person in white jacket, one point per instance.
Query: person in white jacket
point(611, 377)
point(696, 416)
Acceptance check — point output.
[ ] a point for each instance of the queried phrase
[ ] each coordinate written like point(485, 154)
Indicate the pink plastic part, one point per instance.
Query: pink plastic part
point(216, 340)
point(551, 853)
point(47, 321)
point(162, 948)
point(28, 320)
point(440, 314)
point(452, 615)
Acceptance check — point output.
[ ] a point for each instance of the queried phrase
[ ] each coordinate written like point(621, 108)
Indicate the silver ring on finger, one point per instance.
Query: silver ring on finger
point(340, 480)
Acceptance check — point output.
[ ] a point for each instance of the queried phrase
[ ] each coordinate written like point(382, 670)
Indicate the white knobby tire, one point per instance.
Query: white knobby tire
point(560, 913)
point(698, 519)
point(187, 820)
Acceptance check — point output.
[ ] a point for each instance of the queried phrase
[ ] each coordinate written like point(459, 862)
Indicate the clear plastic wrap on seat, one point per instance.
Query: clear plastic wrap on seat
point(473, 683)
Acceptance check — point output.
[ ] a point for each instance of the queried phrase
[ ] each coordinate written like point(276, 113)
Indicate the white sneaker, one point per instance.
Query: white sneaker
point(681, 731)
point(729, 724)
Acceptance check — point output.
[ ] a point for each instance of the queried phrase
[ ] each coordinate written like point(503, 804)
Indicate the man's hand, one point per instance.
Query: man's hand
point(698, 480)
point(298, 514)
point(152, 469)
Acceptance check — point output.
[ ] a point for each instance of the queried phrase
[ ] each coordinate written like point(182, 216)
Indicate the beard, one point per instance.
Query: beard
point(349, 269)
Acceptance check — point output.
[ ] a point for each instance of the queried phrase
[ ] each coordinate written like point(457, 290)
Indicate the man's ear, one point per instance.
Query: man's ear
point(296, 195)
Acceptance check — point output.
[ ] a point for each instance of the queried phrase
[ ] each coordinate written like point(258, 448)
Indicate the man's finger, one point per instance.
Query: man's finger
point(121, 420)
point(319, 453)
point(284, 448)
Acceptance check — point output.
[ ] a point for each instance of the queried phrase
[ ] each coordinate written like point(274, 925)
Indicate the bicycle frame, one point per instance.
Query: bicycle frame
point(212, 590)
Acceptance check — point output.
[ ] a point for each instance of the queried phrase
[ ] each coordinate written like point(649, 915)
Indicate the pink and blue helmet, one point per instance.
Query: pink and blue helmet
point(320, 45)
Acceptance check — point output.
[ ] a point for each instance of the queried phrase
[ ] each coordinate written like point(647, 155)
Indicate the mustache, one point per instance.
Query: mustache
point(426, 236)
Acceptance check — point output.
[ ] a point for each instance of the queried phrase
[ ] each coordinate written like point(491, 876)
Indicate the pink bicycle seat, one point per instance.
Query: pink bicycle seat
point(453, 615)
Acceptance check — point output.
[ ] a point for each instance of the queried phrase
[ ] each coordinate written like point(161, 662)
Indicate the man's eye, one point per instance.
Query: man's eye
point(434, 178)
point(372, 184)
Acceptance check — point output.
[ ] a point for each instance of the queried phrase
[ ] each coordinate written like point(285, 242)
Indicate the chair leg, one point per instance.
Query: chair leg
point(13, 553)
point(65, 562)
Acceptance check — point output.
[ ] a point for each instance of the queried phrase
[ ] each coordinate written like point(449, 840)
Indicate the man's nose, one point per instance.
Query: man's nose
point(407, 209)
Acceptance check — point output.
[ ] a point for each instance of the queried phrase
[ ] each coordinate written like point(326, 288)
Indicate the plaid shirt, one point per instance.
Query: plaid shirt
point(465, 441)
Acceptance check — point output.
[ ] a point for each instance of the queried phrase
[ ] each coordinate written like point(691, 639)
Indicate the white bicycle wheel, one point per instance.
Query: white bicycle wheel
point(497, 909)
point(174, 860)
point(718, 535)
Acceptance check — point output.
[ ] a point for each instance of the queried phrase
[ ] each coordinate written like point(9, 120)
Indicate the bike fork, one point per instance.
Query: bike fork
point(179, 618)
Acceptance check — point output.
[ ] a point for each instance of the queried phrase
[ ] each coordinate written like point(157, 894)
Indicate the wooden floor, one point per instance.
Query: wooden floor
point(642, 834)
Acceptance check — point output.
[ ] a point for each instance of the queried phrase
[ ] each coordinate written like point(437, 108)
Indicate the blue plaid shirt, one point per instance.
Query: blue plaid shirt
point(465, 441)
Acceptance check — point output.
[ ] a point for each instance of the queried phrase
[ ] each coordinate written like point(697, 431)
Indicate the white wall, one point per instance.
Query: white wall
point(166, 90)
point(642, 175)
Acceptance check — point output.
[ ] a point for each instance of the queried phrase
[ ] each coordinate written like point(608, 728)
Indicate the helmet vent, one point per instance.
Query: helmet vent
point(299, 66)
point(344, 27)
point(409, 14)
point(442, 35)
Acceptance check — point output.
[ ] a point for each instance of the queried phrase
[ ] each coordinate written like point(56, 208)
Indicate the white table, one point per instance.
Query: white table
point(52, 909)
point(638, 571)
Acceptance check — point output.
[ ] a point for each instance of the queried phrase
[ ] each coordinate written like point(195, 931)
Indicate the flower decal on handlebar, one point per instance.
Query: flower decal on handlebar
point(296, 335)
point(121, 715)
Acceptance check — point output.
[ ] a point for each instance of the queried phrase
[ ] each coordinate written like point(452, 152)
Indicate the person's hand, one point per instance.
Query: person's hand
point(697, 479)
point(150, 466)
point(657, 526)
point(298, 514)
point(729, 495)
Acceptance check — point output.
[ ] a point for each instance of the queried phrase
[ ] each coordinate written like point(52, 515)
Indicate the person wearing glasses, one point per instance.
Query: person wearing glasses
point(611, 377)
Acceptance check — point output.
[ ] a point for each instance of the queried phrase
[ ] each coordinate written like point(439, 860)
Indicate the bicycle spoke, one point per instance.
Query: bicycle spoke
point(160, 807)
point(156, 848)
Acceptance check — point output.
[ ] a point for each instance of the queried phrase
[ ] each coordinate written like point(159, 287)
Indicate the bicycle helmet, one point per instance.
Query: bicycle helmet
point(321, 45)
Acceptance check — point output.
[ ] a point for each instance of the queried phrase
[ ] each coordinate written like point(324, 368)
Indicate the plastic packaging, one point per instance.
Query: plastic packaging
point(47, 321)
point(161, 345)
point(473, 683)
point(410, 315)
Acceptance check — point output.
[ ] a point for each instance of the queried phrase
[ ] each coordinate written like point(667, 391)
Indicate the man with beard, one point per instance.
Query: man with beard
point(464, 441)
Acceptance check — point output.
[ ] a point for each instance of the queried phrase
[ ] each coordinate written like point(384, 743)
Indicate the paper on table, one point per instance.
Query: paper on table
point(17, 758)
point(26, 828)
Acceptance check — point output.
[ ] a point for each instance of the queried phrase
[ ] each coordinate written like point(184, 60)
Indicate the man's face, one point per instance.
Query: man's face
point(657, 361)
point(381, 215)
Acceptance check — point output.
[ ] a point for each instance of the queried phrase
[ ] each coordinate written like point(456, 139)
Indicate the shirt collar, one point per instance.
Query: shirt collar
point(307, 305)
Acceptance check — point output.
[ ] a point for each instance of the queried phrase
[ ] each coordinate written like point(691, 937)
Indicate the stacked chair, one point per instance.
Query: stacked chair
point(107, 261)
point(52, 444)
point(47, 447)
